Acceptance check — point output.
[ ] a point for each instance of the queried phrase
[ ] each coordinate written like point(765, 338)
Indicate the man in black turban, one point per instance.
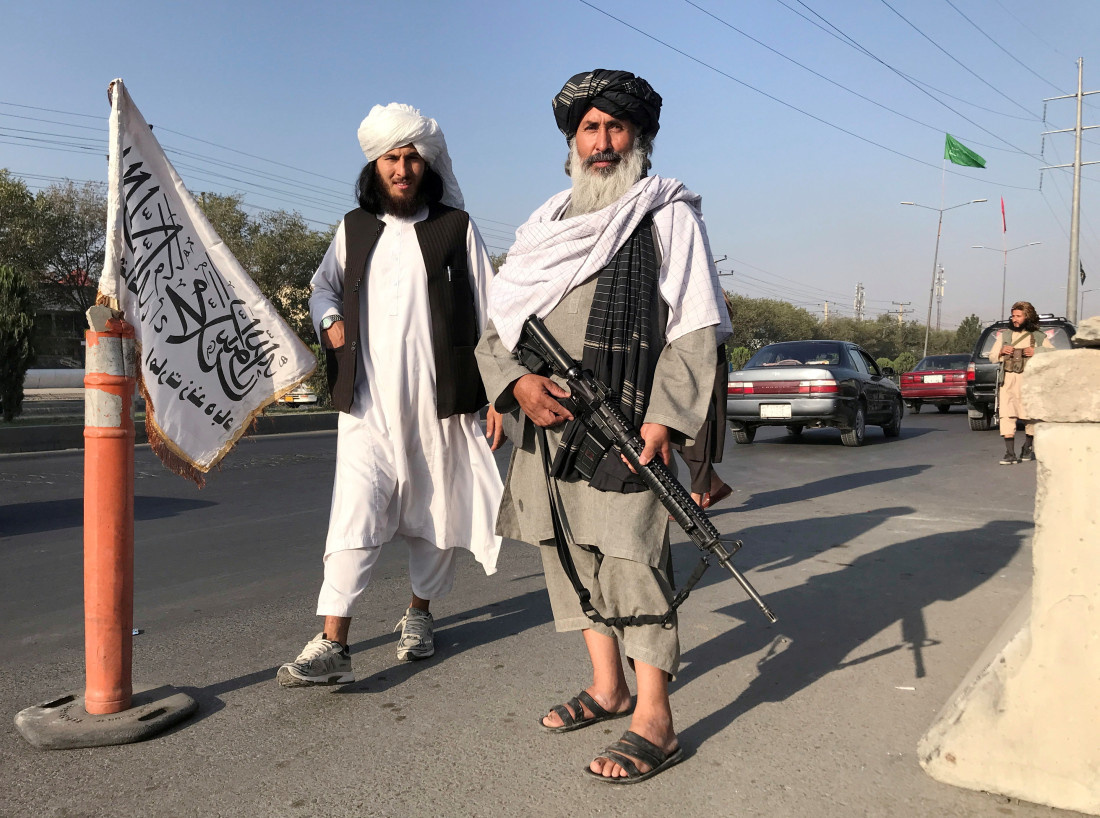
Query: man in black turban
point(616, 93)
point(619, 268)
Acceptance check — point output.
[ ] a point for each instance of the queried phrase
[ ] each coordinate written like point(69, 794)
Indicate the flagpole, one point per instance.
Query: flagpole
point(1004, 249)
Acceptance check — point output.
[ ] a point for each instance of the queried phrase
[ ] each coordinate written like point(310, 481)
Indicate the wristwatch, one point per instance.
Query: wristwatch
point(329, 320)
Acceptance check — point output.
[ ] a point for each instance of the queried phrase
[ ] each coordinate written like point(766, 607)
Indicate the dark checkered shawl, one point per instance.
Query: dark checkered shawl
point(622, 342)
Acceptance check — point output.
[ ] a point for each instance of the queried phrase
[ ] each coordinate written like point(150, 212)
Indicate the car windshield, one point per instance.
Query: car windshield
point(805, 353)
point(942, 362)
point(1057, 337)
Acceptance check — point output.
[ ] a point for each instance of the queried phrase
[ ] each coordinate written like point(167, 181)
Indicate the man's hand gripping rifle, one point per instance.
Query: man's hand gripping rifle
point(539, 351)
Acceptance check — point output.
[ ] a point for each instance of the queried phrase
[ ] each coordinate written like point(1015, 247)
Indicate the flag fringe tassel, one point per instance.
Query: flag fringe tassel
point(170, 455)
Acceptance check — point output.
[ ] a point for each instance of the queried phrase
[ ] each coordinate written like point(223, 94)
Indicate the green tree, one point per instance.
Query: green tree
point(230, 221)
point(72, 232)
point(19, 246)
point(738, 356)
point(758, 322)
point(285, 253)
point(16, 338)
point(966, 336)
point(497, 260)
point(905, 362)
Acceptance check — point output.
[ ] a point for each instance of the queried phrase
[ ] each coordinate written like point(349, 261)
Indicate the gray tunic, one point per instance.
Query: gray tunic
point(629, 526)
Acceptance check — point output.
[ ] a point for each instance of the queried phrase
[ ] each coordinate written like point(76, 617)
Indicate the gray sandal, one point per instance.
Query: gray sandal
point(576, 720)
point(645, 751)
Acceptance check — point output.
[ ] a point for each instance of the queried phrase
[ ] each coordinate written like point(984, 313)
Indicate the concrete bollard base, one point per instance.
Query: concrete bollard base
point(64, 724)
point(1025, 721)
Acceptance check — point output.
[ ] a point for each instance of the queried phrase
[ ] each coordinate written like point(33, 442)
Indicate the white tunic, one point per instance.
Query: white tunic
point(402, 471)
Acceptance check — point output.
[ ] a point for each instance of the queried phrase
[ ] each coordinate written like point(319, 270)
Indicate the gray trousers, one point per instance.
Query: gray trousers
point(619, 587)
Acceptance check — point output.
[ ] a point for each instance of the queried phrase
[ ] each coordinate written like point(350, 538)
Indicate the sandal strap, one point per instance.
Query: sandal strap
point(623, 761)
point(562, 711)
point(593, 705)
point(640, 748)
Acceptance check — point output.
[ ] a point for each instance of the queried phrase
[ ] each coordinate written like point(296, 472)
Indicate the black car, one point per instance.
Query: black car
point(813, 384)
point(981, 373)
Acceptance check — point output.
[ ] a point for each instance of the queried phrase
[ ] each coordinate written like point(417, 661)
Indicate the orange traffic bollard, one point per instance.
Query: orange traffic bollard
point(109, 382)
point(112, 710)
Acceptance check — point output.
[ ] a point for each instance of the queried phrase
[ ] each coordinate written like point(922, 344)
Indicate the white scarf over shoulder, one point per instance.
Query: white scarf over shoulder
point(551, 256)
point(395, 125)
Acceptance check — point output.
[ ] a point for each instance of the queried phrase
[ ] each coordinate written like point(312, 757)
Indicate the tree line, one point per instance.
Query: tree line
point(758, 322)
point(52, 244)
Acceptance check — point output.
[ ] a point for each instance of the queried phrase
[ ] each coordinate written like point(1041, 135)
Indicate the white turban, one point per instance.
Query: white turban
point(396, 125)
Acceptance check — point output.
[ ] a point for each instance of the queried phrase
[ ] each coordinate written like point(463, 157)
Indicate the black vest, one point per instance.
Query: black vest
point(442, 238)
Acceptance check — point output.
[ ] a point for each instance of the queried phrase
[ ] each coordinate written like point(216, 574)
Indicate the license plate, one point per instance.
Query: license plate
point(775, 410)
point(933, 378)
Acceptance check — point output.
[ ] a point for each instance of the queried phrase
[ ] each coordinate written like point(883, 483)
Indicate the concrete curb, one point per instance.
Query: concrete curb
point(58, 436)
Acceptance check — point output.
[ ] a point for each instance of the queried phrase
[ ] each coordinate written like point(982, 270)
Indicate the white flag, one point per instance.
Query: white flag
point(213, 350)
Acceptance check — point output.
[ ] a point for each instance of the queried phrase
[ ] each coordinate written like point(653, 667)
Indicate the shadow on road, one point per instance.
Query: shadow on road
point(823, 488)
point(54, 515)
point(826, 620)
point(454, 635)
point(780, 545)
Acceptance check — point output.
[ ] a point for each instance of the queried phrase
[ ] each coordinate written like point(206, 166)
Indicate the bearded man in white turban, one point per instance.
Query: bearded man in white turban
point(399, 302)
point(619, 269)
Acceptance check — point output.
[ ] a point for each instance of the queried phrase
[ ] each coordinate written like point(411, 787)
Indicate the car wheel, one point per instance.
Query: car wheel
point(981, 424)
point(943, 408)
point(794, 430)
point(893, 428)
point(745, 435)
point(855, 435)
point(914, 407)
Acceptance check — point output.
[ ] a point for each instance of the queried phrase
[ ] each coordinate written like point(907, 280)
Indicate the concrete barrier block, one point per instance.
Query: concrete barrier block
point(1061, 386)
point(1025, 722)
point(1088, 333)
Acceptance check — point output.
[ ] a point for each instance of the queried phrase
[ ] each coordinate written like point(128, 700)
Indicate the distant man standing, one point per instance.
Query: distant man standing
point(399, 302)
point(619, 269)
point(1013, 349)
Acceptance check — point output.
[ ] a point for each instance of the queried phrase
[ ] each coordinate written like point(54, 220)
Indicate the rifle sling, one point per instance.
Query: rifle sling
point(563, 538)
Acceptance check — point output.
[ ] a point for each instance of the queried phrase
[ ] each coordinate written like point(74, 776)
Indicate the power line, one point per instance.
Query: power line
point(919, 87)
point(783, 102)
point(952, 57)
point(1027, 28)
point(851, 43)
point(1005, 50)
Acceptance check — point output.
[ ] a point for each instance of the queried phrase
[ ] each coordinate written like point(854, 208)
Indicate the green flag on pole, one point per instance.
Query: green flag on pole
point(959, 154)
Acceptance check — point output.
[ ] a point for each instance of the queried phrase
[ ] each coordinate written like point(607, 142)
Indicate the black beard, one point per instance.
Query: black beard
point(404, 208)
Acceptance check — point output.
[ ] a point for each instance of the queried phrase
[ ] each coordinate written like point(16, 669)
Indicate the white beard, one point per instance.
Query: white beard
point(596, 189)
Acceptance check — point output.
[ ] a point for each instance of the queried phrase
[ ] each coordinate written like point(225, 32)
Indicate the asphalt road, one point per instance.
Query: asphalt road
point(890, 568)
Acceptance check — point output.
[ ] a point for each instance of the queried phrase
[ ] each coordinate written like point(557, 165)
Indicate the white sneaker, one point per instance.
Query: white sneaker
point(321, 662)
point(417, 639)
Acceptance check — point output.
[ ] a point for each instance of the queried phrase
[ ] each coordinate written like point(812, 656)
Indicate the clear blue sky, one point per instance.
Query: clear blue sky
point(800, 177)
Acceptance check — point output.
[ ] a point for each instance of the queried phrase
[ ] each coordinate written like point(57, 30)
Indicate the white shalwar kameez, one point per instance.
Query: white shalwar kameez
point(402, 473)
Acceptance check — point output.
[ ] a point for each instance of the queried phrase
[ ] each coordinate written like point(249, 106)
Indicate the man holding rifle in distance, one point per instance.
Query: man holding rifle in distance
point(619, 269)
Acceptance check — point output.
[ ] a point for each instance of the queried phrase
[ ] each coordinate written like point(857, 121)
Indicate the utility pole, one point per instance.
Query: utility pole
point(826, 312)
point(939, 298)
point(901, 312)
point(859, 302)
point(1075, 220)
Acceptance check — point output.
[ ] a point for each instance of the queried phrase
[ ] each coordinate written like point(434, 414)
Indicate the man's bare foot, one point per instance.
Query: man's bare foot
point(658, 731)
point(619, 702)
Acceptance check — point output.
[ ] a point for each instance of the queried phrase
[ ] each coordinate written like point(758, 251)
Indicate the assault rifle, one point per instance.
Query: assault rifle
point(592, 403)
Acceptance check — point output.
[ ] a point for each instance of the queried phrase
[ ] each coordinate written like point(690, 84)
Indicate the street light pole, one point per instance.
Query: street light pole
point(1081, 313)
point(1004, 266)
point(936, 261)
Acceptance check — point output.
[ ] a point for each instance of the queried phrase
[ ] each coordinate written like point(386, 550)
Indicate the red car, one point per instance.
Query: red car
point(938, 379)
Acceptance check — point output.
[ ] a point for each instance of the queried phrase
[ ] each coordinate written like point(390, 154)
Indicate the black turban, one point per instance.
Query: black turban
point(617, 93)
